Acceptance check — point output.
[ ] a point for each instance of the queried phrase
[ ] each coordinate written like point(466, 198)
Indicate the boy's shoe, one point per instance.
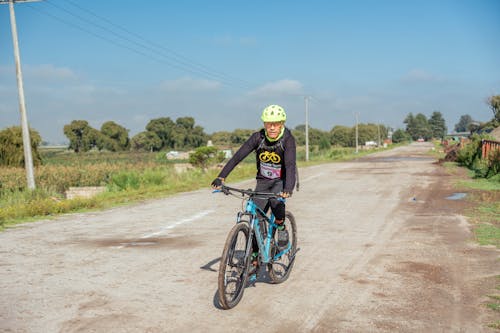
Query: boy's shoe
point(282, 237)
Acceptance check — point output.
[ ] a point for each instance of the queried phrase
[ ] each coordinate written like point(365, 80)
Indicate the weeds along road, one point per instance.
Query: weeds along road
point(382, 250)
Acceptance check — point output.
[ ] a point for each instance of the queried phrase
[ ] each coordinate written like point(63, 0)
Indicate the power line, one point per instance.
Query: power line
point(142, 48)
point(176, 55)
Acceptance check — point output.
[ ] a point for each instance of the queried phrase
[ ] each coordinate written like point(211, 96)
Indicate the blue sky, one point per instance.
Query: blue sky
point(222, 62)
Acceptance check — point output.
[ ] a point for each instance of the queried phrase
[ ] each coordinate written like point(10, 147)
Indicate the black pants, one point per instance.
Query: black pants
point(271, 186)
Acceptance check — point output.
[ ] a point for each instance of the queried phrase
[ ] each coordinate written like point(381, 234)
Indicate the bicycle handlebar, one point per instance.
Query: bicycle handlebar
point(251, 193)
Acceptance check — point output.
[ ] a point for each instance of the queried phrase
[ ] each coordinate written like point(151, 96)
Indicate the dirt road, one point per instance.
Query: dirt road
point(382, 250)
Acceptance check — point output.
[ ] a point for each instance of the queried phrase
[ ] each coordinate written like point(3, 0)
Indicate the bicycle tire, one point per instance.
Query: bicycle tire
point(233, 267)
point(279, 270)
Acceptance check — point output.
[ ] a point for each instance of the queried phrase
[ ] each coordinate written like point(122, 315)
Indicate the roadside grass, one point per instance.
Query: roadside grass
point(494, 304)
point(484, 216)
point(485, 196)
point(485, 213)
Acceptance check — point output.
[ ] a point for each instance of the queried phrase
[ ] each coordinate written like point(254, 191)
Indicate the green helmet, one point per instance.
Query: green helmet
point(273, 113)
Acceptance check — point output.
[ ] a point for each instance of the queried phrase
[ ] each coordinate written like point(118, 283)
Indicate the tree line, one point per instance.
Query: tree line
point(182, 134)
point(162, 134)
point(421, 127)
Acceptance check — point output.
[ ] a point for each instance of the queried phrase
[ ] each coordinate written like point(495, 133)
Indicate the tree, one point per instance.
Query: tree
point(400, 135)
point(12, 149)
point(164, 128)
point(494, 103)
point(196, 137)
point(368, 132)
point(342, 136)
point(299, 132)
point(316, 136)
point(239, 136)
point(417, 126)
point(179, 134)
point(185, 122)
point(82, 137)
point(116, 135)
point(463, 124)
point(324, 143)
point(221, 138)
point(146, 141)
point(437, 125)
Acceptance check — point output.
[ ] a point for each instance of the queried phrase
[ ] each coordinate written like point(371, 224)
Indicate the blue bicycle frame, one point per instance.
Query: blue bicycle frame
point(263, 240)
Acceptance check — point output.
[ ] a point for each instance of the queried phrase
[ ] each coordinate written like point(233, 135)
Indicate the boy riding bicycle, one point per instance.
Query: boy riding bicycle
point(275, 150)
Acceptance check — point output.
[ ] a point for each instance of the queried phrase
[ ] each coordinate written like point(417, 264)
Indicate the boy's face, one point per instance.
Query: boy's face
point(273, 129)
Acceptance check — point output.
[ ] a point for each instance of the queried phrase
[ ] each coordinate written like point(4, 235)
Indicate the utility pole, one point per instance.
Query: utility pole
point(357, 115)
point(306, 99)
point(378, 127)
point(28, 159)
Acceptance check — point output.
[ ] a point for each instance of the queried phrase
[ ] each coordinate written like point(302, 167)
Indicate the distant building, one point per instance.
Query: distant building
point(371, 144)
point(228, 153)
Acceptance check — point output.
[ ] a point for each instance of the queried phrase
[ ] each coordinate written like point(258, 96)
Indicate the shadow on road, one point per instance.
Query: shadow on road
point(208, 266)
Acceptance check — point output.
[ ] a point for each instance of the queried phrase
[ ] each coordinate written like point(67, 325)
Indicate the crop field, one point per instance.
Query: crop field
point(127, 177)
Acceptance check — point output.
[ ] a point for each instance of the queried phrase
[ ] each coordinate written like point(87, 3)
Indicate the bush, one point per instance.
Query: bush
point(125, 180)
point(470, 156)
point(470, 152)
point(203, 157)
point(154, 177)
point(494, 166)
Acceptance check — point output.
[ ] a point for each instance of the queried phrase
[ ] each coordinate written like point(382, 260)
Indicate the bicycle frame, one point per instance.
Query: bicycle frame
point(263, 239)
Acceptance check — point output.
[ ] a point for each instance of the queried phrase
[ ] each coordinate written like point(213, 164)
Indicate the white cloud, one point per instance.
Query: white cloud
point(188, 84)
point(419, 75)
point(281, 87)
point(49, 72)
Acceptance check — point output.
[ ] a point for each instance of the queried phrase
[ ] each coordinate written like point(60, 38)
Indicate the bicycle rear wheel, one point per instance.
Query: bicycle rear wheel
point(234, 266)
point(279, 269)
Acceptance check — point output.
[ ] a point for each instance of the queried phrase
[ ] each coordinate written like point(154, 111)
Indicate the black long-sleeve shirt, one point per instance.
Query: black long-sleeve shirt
point(274, 159)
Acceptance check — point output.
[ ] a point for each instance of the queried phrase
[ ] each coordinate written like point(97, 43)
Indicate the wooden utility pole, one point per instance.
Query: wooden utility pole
point(28, 159)
point(306, 99)
point(357, 145)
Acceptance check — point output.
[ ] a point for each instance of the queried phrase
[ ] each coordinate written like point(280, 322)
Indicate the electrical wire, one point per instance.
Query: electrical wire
point(144, 48)
point(175, 54)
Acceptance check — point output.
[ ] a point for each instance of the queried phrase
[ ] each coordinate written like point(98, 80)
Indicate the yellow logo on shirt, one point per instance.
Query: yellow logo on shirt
point(267, 156)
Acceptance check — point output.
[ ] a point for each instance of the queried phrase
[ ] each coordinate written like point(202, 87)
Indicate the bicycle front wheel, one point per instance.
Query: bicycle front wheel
point(280, 268)
point(234, 266)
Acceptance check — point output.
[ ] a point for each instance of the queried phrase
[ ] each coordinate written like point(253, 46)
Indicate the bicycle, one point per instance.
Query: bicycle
point(252, 221)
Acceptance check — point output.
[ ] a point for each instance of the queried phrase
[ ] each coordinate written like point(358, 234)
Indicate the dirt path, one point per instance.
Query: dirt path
point(382, 250)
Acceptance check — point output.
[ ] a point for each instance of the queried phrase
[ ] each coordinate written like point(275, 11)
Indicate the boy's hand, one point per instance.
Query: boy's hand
point(217, 183)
